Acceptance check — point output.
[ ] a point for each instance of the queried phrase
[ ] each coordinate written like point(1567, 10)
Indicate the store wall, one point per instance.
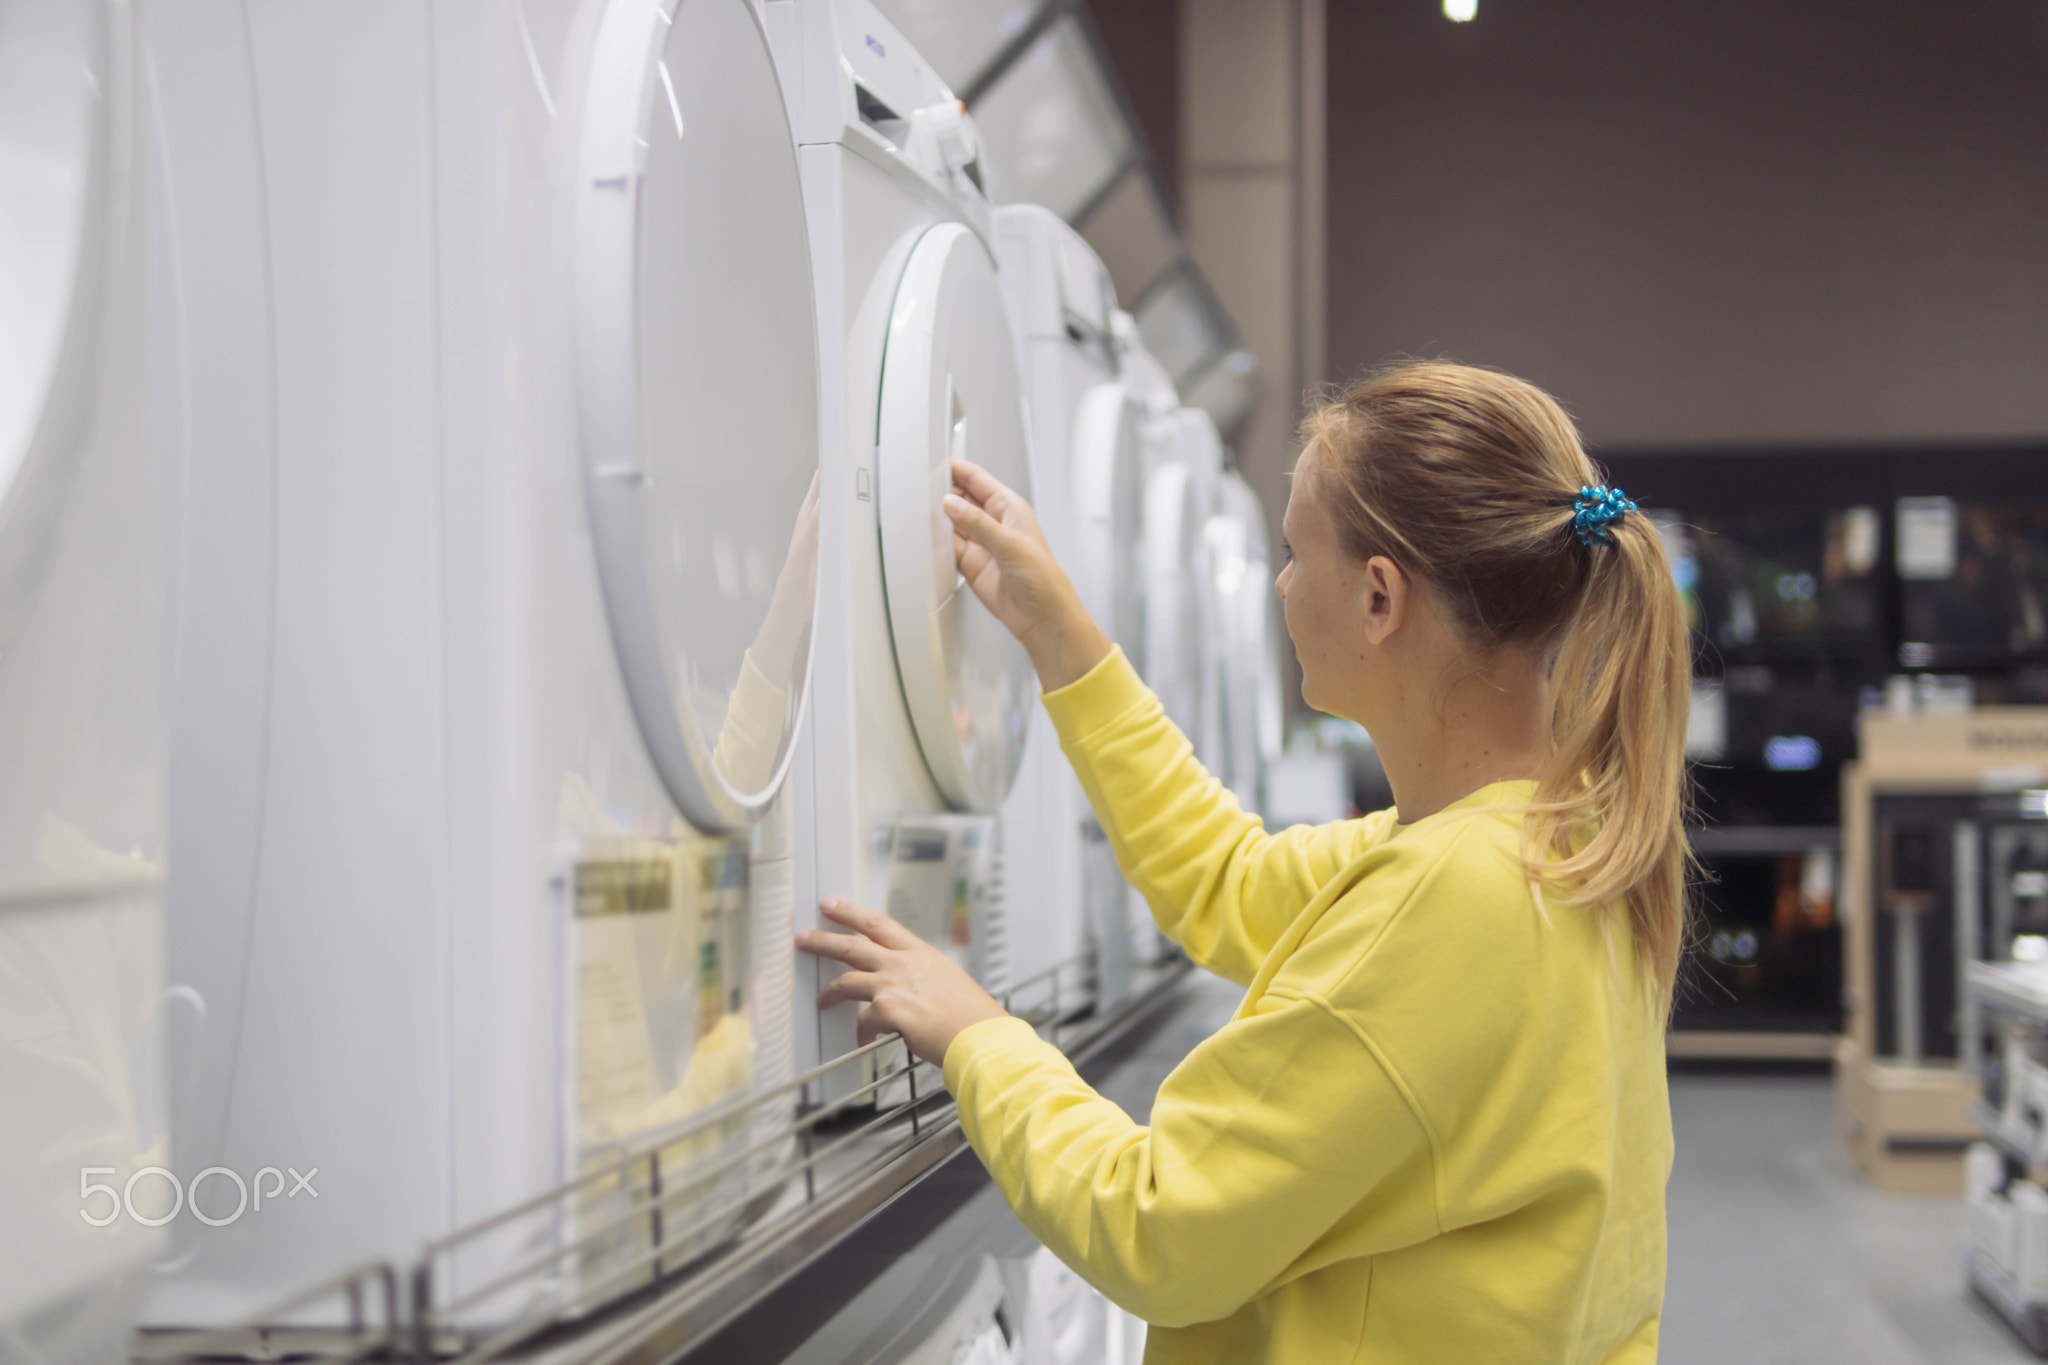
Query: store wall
point(1142, 41)
point(1703, 224)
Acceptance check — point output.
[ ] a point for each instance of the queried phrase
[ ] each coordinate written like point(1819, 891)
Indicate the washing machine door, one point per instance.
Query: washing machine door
point(1109, 494)
point(950, 389)
point(697, 375)
point(55, 214)
point(1176, 563)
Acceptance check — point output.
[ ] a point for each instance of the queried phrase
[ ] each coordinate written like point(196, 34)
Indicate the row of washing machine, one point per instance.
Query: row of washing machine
point(471, 568)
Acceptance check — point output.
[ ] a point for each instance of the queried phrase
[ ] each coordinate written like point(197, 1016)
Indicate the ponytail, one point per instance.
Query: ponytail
point(1610, 810)
point(1467, 478)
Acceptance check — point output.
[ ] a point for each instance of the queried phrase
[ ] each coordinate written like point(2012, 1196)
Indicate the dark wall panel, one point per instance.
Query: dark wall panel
point(1142, 38)
point(1704, 223)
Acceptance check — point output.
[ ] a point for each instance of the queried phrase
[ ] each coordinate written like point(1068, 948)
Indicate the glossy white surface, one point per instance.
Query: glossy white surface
point(693, 287)
point(1060, 301)
point(401, 716)
point(1176, 566)
point(1109, 523)
point(1189, 437)
point(873, 190)
point(1252, 708)
point(52, 57)
point(82, 1009)
point(950, 391)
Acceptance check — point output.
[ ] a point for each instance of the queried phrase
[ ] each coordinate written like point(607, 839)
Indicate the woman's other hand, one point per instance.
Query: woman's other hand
point(1005, 560)
point(910, 987)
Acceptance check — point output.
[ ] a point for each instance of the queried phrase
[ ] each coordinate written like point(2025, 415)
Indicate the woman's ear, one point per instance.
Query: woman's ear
point(1383, 598)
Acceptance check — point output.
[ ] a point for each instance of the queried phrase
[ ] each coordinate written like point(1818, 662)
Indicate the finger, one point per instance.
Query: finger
point(855, 951)
point(974, 523)
point(971, 558)
point(848, 986)
point(980, 485)
point(873, 923)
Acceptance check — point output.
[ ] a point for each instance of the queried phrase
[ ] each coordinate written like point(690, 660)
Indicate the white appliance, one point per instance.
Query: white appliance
point(83, 1141)
point(977, 1331)
point(1248, 625)
point(497, 383)
point(923, 699)
point(1187, 438)
point(1086, 470)
point(1184, 466)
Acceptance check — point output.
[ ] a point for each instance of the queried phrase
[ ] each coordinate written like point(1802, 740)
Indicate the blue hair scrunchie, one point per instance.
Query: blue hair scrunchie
point(1597, 508)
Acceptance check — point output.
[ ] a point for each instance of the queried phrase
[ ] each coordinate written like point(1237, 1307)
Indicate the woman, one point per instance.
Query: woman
point(1437, 1128)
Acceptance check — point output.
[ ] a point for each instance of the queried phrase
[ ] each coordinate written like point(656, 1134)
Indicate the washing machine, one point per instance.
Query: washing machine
point(1187, 438)
point(83, 1190)
point(1248, 634)
point(1181, 464)
point(495, 373)
point(923, 701)
point(1085, 461)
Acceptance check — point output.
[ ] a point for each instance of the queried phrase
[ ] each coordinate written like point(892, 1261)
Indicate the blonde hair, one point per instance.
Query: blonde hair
point(1466, 478)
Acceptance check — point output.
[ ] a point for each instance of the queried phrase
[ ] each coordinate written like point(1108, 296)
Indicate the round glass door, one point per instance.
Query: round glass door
point(950, 389)
point(698, 395)
point(54, 84)
point(1109, 483)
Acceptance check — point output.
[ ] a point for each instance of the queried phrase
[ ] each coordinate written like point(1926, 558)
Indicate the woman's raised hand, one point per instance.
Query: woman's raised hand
point(1005, 560)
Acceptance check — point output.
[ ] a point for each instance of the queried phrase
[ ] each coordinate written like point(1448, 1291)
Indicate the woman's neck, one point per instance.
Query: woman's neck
point(1443, 744)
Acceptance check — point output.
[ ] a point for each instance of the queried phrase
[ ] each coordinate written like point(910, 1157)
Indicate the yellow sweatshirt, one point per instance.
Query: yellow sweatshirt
point(1436, 1129)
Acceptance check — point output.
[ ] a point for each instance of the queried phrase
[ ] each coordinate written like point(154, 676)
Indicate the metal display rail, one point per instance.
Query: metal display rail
point(651, 1258)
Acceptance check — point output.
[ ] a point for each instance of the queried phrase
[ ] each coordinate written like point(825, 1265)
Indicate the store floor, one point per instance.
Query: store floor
point(1779, 1255)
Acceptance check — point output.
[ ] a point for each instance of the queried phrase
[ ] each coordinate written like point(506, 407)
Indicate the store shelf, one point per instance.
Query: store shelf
point(888, 1161)
point(2028, 1318)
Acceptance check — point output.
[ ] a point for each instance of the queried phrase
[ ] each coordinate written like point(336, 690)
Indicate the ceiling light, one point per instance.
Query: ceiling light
point(1460, 11)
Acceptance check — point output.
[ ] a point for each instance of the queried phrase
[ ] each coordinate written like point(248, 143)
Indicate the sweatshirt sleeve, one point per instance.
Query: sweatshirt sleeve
point(1217, 883)
point(747, 741)
point(1276, 1131)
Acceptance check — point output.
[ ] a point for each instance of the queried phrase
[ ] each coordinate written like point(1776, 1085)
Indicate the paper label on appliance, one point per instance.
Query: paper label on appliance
point(626, 884)
point(1927, 539)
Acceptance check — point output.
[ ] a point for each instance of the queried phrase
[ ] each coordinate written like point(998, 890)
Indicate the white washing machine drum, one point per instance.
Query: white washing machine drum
point(950, 388)
point(1109, 492)
point(56, 216)
point(697, 377)
point(1176, 562)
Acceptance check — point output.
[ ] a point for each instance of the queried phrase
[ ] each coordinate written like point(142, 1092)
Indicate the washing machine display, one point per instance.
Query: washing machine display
point(83, 1141)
